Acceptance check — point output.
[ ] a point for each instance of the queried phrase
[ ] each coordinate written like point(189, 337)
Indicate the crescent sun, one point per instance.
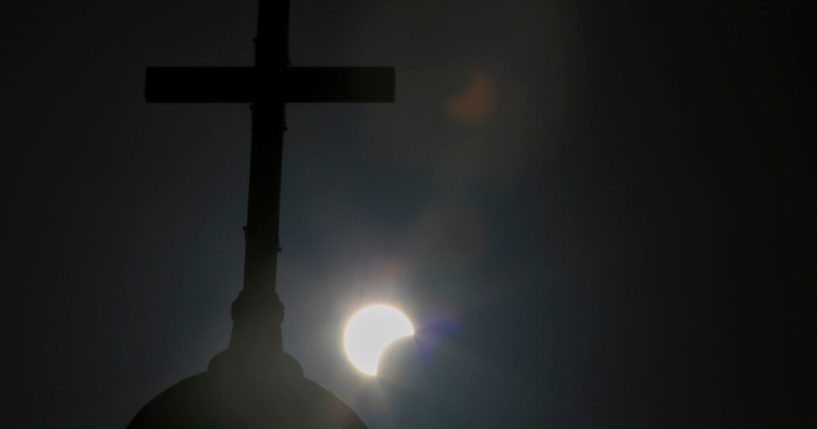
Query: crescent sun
point(370, 331)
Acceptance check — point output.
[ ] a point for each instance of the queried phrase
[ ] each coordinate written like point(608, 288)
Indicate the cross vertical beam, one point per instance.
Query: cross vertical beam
point(272, 37)
point(258, 312)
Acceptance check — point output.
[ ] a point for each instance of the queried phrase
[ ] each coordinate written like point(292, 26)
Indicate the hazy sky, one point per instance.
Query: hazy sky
point(598, 215)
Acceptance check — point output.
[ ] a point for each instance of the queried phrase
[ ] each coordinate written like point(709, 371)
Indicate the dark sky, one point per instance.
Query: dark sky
point(598, 214)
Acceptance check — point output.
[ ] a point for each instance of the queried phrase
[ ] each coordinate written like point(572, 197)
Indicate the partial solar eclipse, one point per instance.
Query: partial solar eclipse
point(369, 333)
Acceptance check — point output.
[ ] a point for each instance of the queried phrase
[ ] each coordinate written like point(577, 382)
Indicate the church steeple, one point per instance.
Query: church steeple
point(254, 383)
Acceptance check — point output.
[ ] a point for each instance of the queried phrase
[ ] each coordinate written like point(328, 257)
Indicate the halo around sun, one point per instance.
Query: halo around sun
point(370, 331)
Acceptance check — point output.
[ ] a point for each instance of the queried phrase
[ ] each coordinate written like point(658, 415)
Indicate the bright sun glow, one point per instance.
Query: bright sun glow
point(369, 333)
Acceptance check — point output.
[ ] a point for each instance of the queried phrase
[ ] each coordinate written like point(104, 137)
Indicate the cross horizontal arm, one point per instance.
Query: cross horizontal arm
point(251, 84)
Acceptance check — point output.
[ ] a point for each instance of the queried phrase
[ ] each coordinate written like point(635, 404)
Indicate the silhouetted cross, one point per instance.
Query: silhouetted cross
point(269, 85)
